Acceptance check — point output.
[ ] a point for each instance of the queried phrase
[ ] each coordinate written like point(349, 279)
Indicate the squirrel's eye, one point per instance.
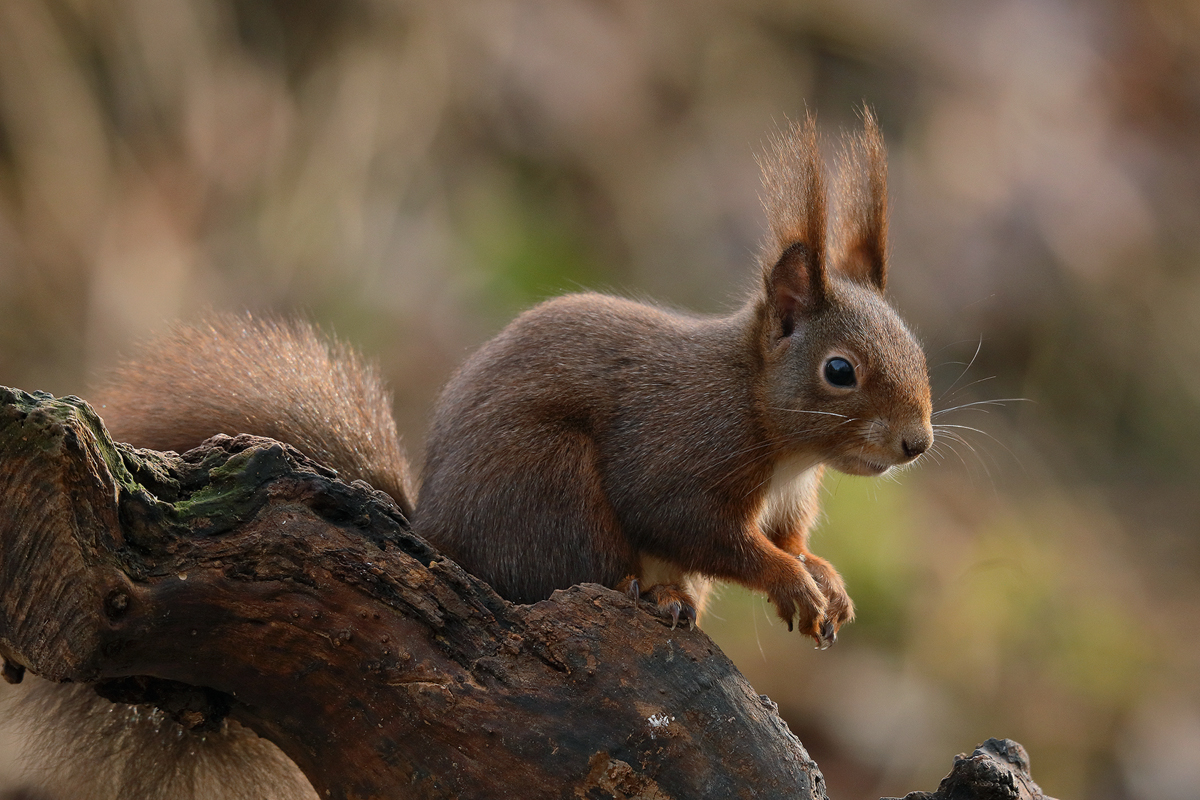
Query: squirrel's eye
point(839, 372)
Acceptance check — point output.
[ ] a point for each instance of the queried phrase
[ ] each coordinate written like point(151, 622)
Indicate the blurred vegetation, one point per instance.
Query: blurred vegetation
point(412, 174)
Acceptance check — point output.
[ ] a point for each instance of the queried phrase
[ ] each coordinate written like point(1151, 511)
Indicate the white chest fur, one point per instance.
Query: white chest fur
point(791, 492)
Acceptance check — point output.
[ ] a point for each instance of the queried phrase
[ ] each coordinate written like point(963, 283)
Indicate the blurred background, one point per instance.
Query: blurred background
point(412, 174)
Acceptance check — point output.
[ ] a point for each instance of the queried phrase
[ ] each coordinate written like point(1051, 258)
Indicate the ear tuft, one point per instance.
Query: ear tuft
point(860, 244)
point(794, 255)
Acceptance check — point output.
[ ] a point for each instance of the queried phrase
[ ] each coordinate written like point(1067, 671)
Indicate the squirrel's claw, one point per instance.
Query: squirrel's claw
point(677, 609)
point(826, 636)
point(690, 616)
point(670, 601)
point(682, 611)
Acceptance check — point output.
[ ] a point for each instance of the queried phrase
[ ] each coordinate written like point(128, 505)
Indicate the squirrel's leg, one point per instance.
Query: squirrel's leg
point(550, 526)
point(839, 607)
point(790, 532)
point(745, 554)
point(793, 538)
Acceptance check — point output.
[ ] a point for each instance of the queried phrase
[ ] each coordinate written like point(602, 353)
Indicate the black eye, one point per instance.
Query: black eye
point(840, 372)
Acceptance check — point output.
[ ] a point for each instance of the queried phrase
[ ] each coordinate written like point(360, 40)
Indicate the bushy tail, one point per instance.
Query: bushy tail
point(74, 745)
point(281, 379)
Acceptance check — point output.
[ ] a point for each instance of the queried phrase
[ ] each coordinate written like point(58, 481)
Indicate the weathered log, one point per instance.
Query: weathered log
point(243, 579)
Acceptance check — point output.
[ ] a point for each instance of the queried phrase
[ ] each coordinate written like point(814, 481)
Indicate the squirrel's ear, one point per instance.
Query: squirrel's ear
point(860, 247)
point(797, 285)
point(794, 271)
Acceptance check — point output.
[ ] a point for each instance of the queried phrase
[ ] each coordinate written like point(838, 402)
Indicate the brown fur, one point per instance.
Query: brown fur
point(595, 438)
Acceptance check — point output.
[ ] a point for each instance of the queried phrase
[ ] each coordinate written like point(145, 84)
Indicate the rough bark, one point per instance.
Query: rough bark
point(997, 770)
point(243, 579)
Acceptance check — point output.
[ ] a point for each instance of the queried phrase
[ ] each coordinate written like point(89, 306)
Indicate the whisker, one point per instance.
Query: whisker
point(737, 453)
point(996, 402)
point(959, 438)
point(803, 411)
point(763, 448)
point(943, 426)
point(758, 485)
point(948, 346)
point(966, 369)
point(950, 446)
point(773, 443)
point(947, 395)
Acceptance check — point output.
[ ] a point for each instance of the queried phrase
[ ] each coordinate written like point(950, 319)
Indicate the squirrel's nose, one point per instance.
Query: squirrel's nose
point(915, 446)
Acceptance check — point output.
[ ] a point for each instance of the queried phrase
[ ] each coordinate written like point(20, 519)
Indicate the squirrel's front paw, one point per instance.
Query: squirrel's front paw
point(670, 600)
point(799, 603)
point(839, 608)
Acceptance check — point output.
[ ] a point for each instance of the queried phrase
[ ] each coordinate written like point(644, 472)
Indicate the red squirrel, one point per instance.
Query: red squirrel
point(601, 439)
point(604, 440)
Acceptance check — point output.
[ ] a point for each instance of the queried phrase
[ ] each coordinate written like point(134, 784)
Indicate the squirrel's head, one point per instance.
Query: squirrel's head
point(844, 378)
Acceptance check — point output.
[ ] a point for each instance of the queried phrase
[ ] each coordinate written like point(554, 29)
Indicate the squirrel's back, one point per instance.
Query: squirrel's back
point(280, 379)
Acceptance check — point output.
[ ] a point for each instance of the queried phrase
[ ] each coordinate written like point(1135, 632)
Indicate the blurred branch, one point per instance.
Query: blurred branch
point(997, 770)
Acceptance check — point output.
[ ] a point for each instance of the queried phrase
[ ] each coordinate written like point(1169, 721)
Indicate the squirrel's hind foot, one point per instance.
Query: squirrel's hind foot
point(670, 601)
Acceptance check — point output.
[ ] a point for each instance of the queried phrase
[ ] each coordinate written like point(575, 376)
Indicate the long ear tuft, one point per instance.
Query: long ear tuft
point(860, 245)
point(794, 255)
